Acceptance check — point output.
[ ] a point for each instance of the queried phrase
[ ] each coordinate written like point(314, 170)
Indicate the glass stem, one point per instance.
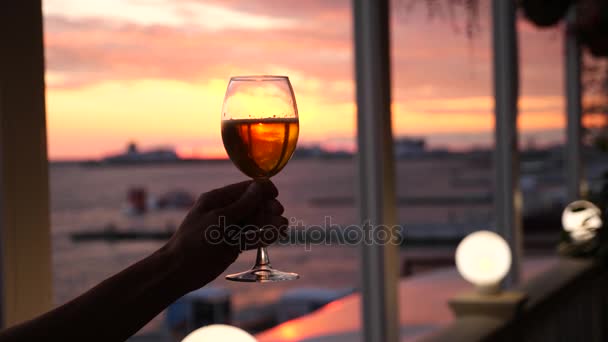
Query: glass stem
point(262, 259)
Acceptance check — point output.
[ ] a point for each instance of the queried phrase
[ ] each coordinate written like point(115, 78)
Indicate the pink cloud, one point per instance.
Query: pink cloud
point(425, 52)
point(430, 58)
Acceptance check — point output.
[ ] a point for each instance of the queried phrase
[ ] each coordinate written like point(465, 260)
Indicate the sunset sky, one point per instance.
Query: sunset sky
point(155, 72)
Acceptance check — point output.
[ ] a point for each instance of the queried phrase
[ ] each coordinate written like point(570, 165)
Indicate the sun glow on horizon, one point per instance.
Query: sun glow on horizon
point(152, 72)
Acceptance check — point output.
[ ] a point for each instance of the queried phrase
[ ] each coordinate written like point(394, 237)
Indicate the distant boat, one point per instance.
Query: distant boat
point(134, 155)
point(138, 201)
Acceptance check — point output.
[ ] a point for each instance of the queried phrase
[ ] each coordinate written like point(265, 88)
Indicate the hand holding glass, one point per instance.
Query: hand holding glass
point(260, 130)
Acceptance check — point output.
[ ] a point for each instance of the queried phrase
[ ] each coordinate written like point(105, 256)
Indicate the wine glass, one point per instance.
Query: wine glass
point(260, 130)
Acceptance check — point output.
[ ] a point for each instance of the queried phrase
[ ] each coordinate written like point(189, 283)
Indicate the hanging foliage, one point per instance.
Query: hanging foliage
point(545, 13)
point(592, 25)
point(448, 9)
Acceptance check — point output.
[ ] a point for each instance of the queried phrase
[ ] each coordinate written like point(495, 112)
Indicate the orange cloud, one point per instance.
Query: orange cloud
point(112, 80)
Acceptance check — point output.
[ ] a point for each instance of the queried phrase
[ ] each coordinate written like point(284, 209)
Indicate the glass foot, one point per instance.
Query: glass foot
point(262, 274)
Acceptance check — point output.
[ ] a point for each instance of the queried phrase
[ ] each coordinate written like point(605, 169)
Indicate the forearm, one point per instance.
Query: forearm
point(121, 305)
point(114, 309)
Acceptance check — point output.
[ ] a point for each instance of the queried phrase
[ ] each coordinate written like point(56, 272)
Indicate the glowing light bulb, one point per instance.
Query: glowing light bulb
point(219, 332)
point(581, 219)
point(483, 258)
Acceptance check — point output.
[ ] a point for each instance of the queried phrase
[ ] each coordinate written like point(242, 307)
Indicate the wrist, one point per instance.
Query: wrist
point(172, 263)
point(179, 269)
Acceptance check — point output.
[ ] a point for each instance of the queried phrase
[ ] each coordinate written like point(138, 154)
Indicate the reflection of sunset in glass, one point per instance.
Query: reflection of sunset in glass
point(260, 148)
point(156, 72)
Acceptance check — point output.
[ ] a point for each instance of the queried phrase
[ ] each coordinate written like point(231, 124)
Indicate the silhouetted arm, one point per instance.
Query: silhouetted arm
point(121, 305)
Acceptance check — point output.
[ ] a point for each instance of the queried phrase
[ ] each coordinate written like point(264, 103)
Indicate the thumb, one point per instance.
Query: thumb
point(245, 205)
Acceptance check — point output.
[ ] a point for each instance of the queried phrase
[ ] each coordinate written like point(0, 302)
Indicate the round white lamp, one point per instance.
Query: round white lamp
point(581, 219)
point(483, 258)
point(219, 332)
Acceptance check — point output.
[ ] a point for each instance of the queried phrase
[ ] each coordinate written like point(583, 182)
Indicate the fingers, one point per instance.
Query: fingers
point(223, 197)
point(274, 207)
point(251, 200)
point(265, 216)
point(219, 198)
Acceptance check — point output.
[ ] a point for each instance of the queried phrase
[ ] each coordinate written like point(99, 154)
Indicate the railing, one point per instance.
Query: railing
point(569, 302)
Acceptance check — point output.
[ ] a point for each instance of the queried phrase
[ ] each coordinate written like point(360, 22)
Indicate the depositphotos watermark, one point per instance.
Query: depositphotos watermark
point(307, 236)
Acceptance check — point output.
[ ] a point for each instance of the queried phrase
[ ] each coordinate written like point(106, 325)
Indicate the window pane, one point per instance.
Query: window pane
point(444, 129)
point(135, 92)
